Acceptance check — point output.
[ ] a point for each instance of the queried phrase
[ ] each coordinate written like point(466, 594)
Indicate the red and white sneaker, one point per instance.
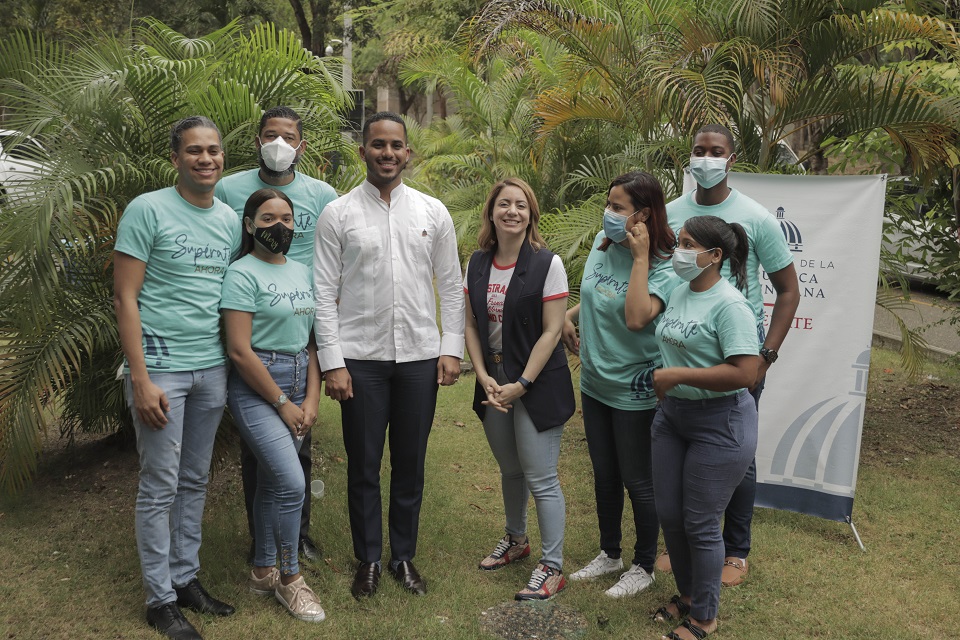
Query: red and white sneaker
point(545, 582)
point(506, 551)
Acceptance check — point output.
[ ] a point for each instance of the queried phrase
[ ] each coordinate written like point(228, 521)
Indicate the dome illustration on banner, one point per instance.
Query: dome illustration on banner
point(790, 231)
point(820, 448)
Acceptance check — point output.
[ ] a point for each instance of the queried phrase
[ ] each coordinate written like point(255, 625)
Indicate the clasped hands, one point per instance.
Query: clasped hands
point(501, 397)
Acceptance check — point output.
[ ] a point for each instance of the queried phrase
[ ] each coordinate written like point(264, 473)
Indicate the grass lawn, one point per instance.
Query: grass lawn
point(71, 569)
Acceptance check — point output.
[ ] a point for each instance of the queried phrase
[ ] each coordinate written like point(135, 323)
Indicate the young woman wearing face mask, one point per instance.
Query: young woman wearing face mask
point(705, 429)
point(274, 388)
point(516, 293)
point(626, 282)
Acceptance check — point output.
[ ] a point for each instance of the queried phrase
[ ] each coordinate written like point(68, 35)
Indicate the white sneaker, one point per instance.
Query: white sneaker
point(300, 601)
point(265, 586)
point(631, 583)
point(601, 565)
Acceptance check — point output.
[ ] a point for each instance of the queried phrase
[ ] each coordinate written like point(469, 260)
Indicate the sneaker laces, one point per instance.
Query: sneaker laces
point(502, 547)
point(538, 577)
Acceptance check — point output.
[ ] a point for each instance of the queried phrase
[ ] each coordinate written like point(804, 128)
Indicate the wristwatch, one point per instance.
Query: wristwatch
point(282, 400)
point(770, 355)
point(524, 382)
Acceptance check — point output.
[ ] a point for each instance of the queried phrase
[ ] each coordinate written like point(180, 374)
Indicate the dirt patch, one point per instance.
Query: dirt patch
point(904, 419)
point(540, 620)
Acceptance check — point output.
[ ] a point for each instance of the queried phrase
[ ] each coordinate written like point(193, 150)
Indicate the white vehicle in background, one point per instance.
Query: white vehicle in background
point(21, 162)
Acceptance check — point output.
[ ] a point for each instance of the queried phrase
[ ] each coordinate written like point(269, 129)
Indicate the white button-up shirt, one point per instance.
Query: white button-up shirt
point(380, 260)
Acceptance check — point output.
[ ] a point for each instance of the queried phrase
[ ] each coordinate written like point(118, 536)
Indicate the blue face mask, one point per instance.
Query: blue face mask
point(708, 172)
point(614, 226)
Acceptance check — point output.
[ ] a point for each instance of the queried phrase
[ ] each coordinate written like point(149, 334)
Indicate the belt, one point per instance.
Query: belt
point(495, 357)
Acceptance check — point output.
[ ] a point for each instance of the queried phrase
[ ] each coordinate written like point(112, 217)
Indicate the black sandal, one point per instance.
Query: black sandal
point(663, 615)
point(697, 632)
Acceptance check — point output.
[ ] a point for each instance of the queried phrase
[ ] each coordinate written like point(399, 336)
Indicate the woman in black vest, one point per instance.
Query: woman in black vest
point(516, 298)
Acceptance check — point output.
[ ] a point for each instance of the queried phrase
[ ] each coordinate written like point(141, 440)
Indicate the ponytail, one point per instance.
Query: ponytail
point(738, 257)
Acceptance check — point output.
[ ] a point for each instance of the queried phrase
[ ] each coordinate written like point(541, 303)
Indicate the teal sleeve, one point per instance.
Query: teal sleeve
point(771, 246)
point(137, 231)
point(662, 281)
point(239, 291)
point(737, 329)
point(220, 193)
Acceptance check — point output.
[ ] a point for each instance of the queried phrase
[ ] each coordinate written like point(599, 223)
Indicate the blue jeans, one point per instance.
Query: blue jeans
point(738, 517)
point(528, 464)
point(174, 466)
point(280, 483)
point(619, 444)
point(701, 451)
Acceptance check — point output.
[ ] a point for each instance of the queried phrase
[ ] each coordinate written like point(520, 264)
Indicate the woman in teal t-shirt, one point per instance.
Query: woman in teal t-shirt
point(705, 429)
point(274, 389)
point(626, 282)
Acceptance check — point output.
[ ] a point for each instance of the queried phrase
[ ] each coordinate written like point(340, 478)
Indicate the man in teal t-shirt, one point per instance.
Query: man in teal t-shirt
point(711, 158)
point(172, 251)
point(280, 146)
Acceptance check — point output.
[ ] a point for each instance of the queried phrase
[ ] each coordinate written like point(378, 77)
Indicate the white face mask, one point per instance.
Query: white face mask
point(685, 263)
point(708, 172)
point(277, 154)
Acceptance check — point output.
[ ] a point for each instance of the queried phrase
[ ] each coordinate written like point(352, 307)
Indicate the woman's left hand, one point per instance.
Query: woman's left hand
point(509, 393)
point(639, 240)
point(664, 380)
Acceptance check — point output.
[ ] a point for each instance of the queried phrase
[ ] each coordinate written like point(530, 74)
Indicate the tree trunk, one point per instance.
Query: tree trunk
point(302, 24)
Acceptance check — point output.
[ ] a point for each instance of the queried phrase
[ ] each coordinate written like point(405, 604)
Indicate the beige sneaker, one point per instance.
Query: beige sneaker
point(300, 601)
point(266, 585)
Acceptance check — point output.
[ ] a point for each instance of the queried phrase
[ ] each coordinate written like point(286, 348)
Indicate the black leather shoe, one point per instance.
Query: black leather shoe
point(170, 621)
point(309, 549)
point(366, 581)
point(406, 574)
point(194, 596)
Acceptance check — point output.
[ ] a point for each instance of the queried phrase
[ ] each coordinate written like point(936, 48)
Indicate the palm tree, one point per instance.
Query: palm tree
point(103, 107)
point(770, 68)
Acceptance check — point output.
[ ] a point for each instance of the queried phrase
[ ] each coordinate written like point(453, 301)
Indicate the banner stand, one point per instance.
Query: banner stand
point(855, 534)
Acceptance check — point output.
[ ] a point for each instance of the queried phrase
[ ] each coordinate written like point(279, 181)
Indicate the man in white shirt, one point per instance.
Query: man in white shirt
point(377, 251)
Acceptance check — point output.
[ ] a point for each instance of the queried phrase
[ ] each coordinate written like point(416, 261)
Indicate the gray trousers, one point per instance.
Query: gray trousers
point(528, 464)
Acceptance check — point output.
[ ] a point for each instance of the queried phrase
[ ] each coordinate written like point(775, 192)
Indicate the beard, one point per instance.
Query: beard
point(270, 173)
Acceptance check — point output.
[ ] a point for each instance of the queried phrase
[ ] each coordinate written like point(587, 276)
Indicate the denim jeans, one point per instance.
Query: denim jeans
point(619, 444)
point(738, 517)
point(174, 466)
point(701, 451)
point(528, 464)
point(280, 482)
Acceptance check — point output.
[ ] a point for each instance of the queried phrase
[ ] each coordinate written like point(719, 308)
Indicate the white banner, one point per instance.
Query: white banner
point(811, 410)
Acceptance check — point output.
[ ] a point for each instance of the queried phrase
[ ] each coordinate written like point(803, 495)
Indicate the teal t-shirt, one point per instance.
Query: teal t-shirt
point(617, 363)
point(703, 330)
point(280, 297)
point(308, 195)
point(768, 246)
point(187, 250)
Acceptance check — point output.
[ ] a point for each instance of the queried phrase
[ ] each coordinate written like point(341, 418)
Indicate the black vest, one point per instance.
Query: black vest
point(549, 400)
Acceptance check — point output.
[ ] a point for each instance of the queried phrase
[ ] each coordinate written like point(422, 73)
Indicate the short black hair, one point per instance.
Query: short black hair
point(383, 115)
point(190, 122)
point(281, 112)
point(722, 130)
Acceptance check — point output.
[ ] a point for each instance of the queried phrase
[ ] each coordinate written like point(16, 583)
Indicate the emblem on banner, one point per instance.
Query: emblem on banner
point(790, 231)
point(818, 450)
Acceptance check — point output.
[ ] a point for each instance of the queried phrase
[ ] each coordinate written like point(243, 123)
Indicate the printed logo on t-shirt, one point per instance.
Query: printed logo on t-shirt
point(496, 293)
point(675, 330)
point(206, 259)
point(641, 386)
point(292, 297)
point(606, 284)
point(154, 349)
point(302, 221)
